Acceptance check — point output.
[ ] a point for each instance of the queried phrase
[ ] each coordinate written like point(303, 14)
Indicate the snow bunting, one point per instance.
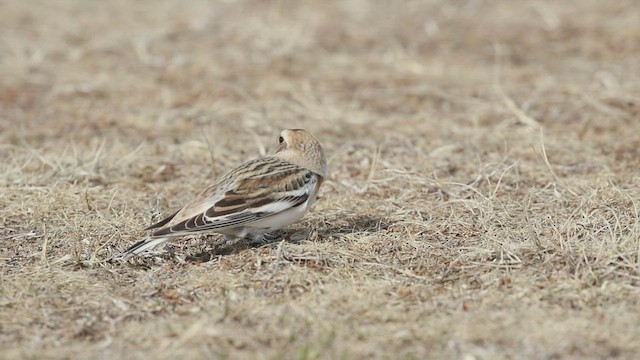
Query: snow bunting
point(264, 194)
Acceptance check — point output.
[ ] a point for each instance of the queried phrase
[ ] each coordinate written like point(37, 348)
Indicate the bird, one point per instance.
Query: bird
point(259, 196)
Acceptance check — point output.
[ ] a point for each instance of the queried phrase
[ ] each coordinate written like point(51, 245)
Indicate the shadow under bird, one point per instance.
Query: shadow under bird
point(259, 196)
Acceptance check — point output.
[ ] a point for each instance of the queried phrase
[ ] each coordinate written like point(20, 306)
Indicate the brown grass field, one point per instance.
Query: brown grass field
point(482, 201)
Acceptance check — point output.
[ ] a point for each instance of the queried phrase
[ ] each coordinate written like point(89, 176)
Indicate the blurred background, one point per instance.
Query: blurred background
point(424, 73)
point(483, 161)
point(136, 70)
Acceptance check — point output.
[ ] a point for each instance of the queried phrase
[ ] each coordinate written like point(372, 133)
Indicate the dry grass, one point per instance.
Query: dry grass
point(482, 202)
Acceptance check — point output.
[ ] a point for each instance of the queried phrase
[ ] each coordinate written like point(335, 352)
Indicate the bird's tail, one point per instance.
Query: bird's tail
point(140, 246)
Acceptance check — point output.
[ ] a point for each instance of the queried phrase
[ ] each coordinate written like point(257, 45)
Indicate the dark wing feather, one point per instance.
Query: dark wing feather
point(163, 222)
point(279, 183)
point(197, 224)
point(200, 223)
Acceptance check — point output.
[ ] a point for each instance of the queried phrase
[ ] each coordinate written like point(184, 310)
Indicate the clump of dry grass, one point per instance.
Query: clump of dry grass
point(482, 201)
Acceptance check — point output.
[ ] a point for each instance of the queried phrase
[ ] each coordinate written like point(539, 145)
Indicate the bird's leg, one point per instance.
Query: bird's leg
point(227, 238)
point(269, 237)
point(254, 239)
point(263, 238)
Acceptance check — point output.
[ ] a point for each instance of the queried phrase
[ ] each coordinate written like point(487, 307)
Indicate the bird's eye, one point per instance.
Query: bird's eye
point(280, 139)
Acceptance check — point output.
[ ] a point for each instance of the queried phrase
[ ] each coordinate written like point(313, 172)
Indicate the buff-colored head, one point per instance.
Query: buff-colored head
point(301, 148)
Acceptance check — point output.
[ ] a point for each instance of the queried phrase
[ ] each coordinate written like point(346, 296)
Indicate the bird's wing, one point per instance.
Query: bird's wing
point(163, 222)
point(254, 191)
